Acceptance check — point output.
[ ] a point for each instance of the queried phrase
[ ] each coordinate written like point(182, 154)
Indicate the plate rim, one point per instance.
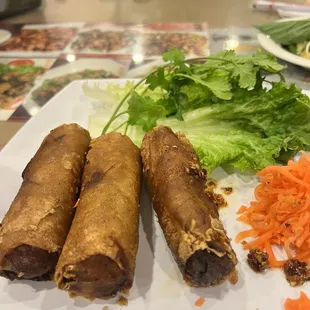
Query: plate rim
point(277, 50)
point(288, 56)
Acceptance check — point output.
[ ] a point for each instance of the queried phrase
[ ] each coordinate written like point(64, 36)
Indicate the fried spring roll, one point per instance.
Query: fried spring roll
point(98, 258)
point(187, 216)
point(35, 227)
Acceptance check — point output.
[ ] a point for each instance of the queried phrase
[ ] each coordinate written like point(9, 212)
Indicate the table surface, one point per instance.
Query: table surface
point(217, 13)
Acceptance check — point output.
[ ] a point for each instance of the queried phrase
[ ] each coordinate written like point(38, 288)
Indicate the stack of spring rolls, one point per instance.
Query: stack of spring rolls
point(75, 217)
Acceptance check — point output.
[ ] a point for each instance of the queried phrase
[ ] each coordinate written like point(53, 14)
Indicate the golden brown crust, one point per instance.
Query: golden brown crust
point(106, 222)
point(41, 213)
point(188, 217)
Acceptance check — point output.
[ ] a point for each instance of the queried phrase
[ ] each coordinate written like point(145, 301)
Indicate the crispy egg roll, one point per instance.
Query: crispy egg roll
point(187, 216)
point(98, 258)
point(35, 227)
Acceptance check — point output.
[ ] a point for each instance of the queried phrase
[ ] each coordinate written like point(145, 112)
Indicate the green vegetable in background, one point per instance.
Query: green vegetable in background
point(4, 69)
point(24, 69)
point(287, 33)
point(250, 130)
point(221, 105)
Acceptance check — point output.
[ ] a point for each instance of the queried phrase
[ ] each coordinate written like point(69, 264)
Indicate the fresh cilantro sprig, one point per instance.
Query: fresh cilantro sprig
point(190, 84)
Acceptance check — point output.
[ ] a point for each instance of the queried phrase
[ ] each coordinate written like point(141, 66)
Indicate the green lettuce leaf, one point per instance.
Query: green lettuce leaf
point(251, 129)
point(241, 149)
point(222, 106)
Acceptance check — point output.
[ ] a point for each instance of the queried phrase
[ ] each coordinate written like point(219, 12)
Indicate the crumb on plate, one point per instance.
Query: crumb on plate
point(227, 190)
point(258, 260)
point(122, 301)
point(296, 272)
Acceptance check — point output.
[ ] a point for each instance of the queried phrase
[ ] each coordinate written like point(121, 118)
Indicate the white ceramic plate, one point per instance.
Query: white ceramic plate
point(284, 13)
point(158, 283)
point(272, 47)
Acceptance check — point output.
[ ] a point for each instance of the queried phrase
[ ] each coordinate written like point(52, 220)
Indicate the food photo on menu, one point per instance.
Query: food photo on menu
point(103, 41)
point(154, 44)
point(52, 39)
point(68, 68)
point(17, 77)
point(150, 39)
point(36, 39)
point(105, 38)
point(192, 39)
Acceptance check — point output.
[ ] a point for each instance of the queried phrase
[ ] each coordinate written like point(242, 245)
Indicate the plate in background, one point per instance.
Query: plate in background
point(277, 50)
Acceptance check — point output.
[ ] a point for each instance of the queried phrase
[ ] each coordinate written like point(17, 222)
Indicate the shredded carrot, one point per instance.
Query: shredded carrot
point(245, 234)
point(241, 209)
point(302, 303)
point(281, 213)
point(199, 302)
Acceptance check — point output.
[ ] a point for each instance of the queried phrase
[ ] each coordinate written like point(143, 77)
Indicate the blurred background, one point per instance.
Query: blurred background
point(218, 13)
